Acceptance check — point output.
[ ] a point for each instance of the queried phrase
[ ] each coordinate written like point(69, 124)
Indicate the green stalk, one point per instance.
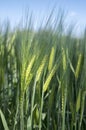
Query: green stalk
point(32, 104)
point(22, 111)
point(41, 108)
point(82, 109)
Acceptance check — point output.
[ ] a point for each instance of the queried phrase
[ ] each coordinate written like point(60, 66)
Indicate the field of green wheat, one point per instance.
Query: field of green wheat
point(42, 78)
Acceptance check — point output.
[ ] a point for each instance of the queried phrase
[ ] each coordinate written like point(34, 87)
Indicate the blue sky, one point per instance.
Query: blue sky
point(15, 9)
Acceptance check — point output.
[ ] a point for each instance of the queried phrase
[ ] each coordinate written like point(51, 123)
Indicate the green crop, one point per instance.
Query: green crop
point(42, 79)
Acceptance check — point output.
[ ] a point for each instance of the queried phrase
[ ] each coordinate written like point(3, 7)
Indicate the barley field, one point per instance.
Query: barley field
point(42, 78)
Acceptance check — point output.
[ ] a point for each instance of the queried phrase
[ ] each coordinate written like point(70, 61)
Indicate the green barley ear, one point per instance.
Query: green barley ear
point(78, 66)
point(24, 79)
point(29, 67)
point(11, 42)
point(64, 59)
point(13, 38)
point(28, 81)
point(40, 69)
point(23, 74)
point(51, 58)
point(47, 82)
point(64, 100)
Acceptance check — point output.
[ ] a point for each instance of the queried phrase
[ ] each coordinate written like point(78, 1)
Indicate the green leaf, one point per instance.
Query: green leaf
point(43, 116)
point(29, 123)
point(78, 102)
point(3, 120)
